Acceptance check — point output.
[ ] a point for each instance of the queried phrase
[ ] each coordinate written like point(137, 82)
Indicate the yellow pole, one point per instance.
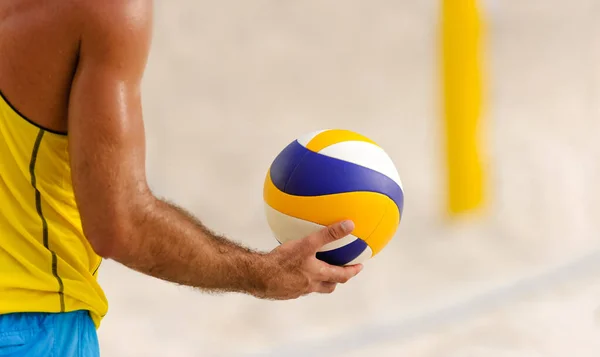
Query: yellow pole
point(462, 92)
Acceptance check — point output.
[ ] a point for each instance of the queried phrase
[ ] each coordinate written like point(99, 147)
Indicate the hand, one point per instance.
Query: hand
point(294, 269)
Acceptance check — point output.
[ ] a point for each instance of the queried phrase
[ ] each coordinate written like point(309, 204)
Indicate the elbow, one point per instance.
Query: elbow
point(112, 242)
point(116, 234)
point(106, 246)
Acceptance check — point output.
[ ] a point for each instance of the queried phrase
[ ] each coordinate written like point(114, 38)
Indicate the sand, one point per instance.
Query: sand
point(230, 84)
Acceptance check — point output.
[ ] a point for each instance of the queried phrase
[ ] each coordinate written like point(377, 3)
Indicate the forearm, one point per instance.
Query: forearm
point(168, 243)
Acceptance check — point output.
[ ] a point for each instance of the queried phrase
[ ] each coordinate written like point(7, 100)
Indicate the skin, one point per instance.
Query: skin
point(76, 66)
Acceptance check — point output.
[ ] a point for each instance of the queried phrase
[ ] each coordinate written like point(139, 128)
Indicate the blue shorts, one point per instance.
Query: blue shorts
point(70, 334)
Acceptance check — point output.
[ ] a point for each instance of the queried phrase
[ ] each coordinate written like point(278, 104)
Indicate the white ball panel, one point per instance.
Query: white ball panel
point(287, 228)
point(364, 154)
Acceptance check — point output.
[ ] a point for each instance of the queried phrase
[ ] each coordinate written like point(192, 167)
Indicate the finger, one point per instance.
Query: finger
point(330, 233)
point(325, 287)
point(335, 274)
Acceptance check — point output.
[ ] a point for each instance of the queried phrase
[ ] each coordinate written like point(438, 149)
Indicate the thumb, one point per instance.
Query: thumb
point(331, 233)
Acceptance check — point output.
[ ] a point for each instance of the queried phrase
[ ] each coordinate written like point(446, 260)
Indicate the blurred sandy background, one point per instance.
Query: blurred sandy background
point(230, 83)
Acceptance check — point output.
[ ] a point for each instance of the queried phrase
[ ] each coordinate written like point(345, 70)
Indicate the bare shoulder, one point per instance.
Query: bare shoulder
point(117, 11)
point(116, 33)
point(115, 18)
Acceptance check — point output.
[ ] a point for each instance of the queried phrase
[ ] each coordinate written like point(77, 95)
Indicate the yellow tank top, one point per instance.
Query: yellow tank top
point(46, 263)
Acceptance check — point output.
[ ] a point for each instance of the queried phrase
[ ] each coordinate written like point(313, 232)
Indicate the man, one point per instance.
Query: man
point(73, 188)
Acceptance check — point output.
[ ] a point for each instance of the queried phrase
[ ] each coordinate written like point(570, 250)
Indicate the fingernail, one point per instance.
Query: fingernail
point(348, 226)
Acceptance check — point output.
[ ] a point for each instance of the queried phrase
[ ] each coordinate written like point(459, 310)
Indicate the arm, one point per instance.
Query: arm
point(121, 218)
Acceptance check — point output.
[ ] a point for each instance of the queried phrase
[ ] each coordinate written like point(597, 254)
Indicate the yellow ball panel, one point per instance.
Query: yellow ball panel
point(386, 229)
point(331, 137)
point(365, 209)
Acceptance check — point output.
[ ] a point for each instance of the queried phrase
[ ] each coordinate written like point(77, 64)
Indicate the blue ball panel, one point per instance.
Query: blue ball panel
point(285, 163)
point(301, 172)
point(318, 175)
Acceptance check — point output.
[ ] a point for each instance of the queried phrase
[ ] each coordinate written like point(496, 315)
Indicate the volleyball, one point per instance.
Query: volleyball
point(329, 176)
